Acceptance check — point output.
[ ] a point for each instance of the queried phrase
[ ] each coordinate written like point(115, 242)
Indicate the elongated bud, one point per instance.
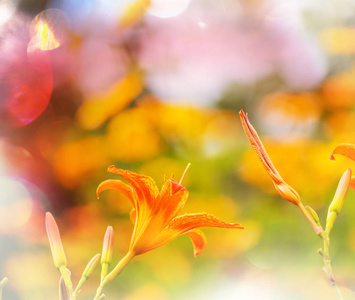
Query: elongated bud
point(2, 283)
point(91, 266)
point(55, 242)
point(285, 190)
point(281, 186)
point(107, 251)
point(58, 254)
point(338, 200)
point(314, 215)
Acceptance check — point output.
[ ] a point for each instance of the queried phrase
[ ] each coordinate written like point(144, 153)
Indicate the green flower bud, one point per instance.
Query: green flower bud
point(338, 200)
point(91, 266)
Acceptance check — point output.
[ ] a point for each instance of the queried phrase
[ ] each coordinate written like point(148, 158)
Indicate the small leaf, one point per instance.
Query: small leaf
point(314, 215)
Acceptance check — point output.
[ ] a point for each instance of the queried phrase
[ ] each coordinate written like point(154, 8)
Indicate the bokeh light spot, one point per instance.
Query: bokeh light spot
point(49, 29)
point(167, 9)
point(15, 204)
point(7, 9)
point(26, 89)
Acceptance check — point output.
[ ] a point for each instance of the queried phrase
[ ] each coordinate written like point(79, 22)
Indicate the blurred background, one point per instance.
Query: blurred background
point(150, 86)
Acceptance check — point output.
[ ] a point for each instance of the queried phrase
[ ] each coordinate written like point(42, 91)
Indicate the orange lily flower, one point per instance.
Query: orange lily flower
point(283, 188)
point(155, 213)
point(347, 150)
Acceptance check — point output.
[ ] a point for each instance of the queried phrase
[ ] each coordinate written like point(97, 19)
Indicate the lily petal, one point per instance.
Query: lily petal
point(345, 149)
point(117, 185)
point(285, 190)
point(133, 215)
point(185, 223)
point(180, 225)
point(144, 186)
point(172, 199)
point(198, 240)
point(352, 182)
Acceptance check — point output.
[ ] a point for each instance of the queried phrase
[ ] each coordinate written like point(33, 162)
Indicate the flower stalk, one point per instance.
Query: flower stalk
point(327, 269)
point(284, 189)
point(288, 193)
point(90, 268)
point(117, 270)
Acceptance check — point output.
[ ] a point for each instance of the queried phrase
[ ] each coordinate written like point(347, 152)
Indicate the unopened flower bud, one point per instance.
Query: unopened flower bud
point(55, 242)
point(91, 266)
point(338, 200)
point(107, 251)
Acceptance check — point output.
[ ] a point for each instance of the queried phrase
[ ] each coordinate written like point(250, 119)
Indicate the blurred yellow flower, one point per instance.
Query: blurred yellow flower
point(75, 162)
point(342, 124)
point(132, 135)
point(134, 12)
point(339, 40)
point(97, 109)
point(298, 112)
point(155, 213)
point(339, 91)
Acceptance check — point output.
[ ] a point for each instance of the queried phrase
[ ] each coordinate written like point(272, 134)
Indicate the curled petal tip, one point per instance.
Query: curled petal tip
point(242, 114)
point(198, 240)
point(110, 168)
point(235, 225)
point(344, 149)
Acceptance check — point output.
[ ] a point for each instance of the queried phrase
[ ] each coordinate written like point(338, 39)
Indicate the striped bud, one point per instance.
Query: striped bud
point(338, 200)
point(107, 251)
point(90, 268)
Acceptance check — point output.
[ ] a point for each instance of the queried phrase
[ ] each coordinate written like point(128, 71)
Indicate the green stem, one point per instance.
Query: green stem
point(327, 266)
point(104, 271)
point(80, 284)
point(66, 277)
point(118, 269)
